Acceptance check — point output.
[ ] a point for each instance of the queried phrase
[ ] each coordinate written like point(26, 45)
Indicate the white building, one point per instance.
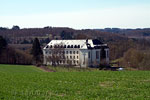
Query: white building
point(81, 53)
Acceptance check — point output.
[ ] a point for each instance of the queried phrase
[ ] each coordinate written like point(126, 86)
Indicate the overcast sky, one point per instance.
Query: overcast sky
point(78, 14)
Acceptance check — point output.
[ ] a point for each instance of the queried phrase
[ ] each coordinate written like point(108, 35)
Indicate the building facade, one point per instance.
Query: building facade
point(79, 53)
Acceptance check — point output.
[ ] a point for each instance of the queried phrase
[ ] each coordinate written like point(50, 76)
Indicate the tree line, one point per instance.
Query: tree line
point(10, 55)
point(118, 42)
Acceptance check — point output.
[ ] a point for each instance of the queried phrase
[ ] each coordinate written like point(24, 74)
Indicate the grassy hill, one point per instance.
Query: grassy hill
point(19, 82)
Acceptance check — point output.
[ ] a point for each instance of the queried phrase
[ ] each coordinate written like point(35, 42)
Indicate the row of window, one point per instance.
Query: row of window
point(72, 57)
point(67, 57)
point(63, 52)
point(63, 46)
point(72, 52)
point(97, 54)
point(71, 62)
point(106, 54)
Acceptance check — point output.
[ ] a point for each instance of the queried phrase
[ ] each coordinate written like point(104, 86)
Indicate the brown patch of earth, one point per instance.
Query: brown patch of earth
point(46, 69)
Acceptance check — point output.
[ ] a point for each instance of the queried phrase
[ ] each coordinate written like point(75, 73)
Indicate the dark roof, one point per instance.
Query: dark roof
point(97, 42)
point(98, 47)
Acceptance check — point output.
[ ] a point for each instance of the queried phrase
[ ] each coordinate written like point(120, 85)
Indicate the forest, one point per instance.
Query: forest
point(128, 47)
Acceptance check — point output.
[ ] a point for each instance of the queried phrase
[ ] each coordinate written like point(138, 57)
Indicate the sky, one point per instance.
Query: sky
point(77, 14)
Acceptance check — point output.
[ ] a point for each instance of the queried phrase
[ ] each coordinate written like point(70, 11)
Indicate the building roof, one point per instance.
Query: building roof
point(82, 44)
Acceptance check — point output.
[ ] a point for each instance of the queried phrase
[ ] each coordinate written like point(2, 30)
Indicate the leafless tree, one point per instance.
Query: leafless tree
point(56, 55)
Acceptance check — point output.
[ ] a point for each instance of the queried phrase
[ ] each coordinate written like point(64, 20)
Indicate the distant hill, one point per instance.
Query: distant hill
point(119, 40)
point(131, 33)
point(26, 36)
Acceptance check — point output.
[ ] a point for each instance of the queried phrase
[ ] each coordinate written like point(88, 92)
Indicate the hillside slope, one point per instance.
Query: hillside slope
point(19, 69)
point(95, 85)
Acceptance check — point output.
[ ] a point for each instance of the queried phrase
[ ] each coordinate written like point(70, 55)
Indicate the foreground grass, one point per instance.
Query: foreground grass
point(18, 69)
point(30, 83)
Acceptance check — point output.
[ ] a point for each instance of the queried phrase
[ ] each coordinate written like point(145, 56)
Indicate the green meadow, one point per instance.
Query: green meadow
point(19, 82)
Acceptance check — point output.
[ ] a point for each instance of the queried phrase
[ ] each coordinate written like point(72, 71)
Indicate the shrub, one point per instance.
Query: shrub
point(136, 59)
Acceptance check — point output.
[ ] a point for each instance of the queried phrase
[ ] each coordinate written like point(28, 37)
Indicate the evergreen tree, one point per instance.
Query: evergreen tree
point(3, 43)
point(36, 51)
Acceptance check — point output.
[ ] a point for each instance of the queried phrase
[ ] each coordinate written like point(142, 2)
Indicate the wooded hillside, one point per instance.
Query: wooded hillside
point(119, 40)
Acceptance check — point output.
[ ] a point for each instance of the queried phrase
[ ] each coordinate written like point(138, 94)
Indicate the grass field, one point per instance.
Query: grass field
point(19, 82)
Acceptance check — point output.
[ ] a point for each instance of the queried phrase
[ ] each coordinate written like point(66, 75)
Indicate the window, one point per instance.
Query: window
point(75, 46)
point(70, 52)
point(49, 52)
point(77, 62)
point(78, 46)
point(66, 52)
point(70, 57)
point(77, 57)
point(74, 57)
point(103, 54)
point(89, 54)
point(97, 54)
point(73, 52)
point(68, 46)
point(61, 46)
point(77, 52)
point(71, 62)
point(107, 54)
point(67, 57)
point(47, 46)
point(74, 61)
point(71, 46)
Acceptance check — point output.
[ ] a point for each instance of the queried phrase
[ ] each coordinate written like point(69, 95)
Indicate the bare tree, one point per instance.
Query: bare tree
point(56, 55)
